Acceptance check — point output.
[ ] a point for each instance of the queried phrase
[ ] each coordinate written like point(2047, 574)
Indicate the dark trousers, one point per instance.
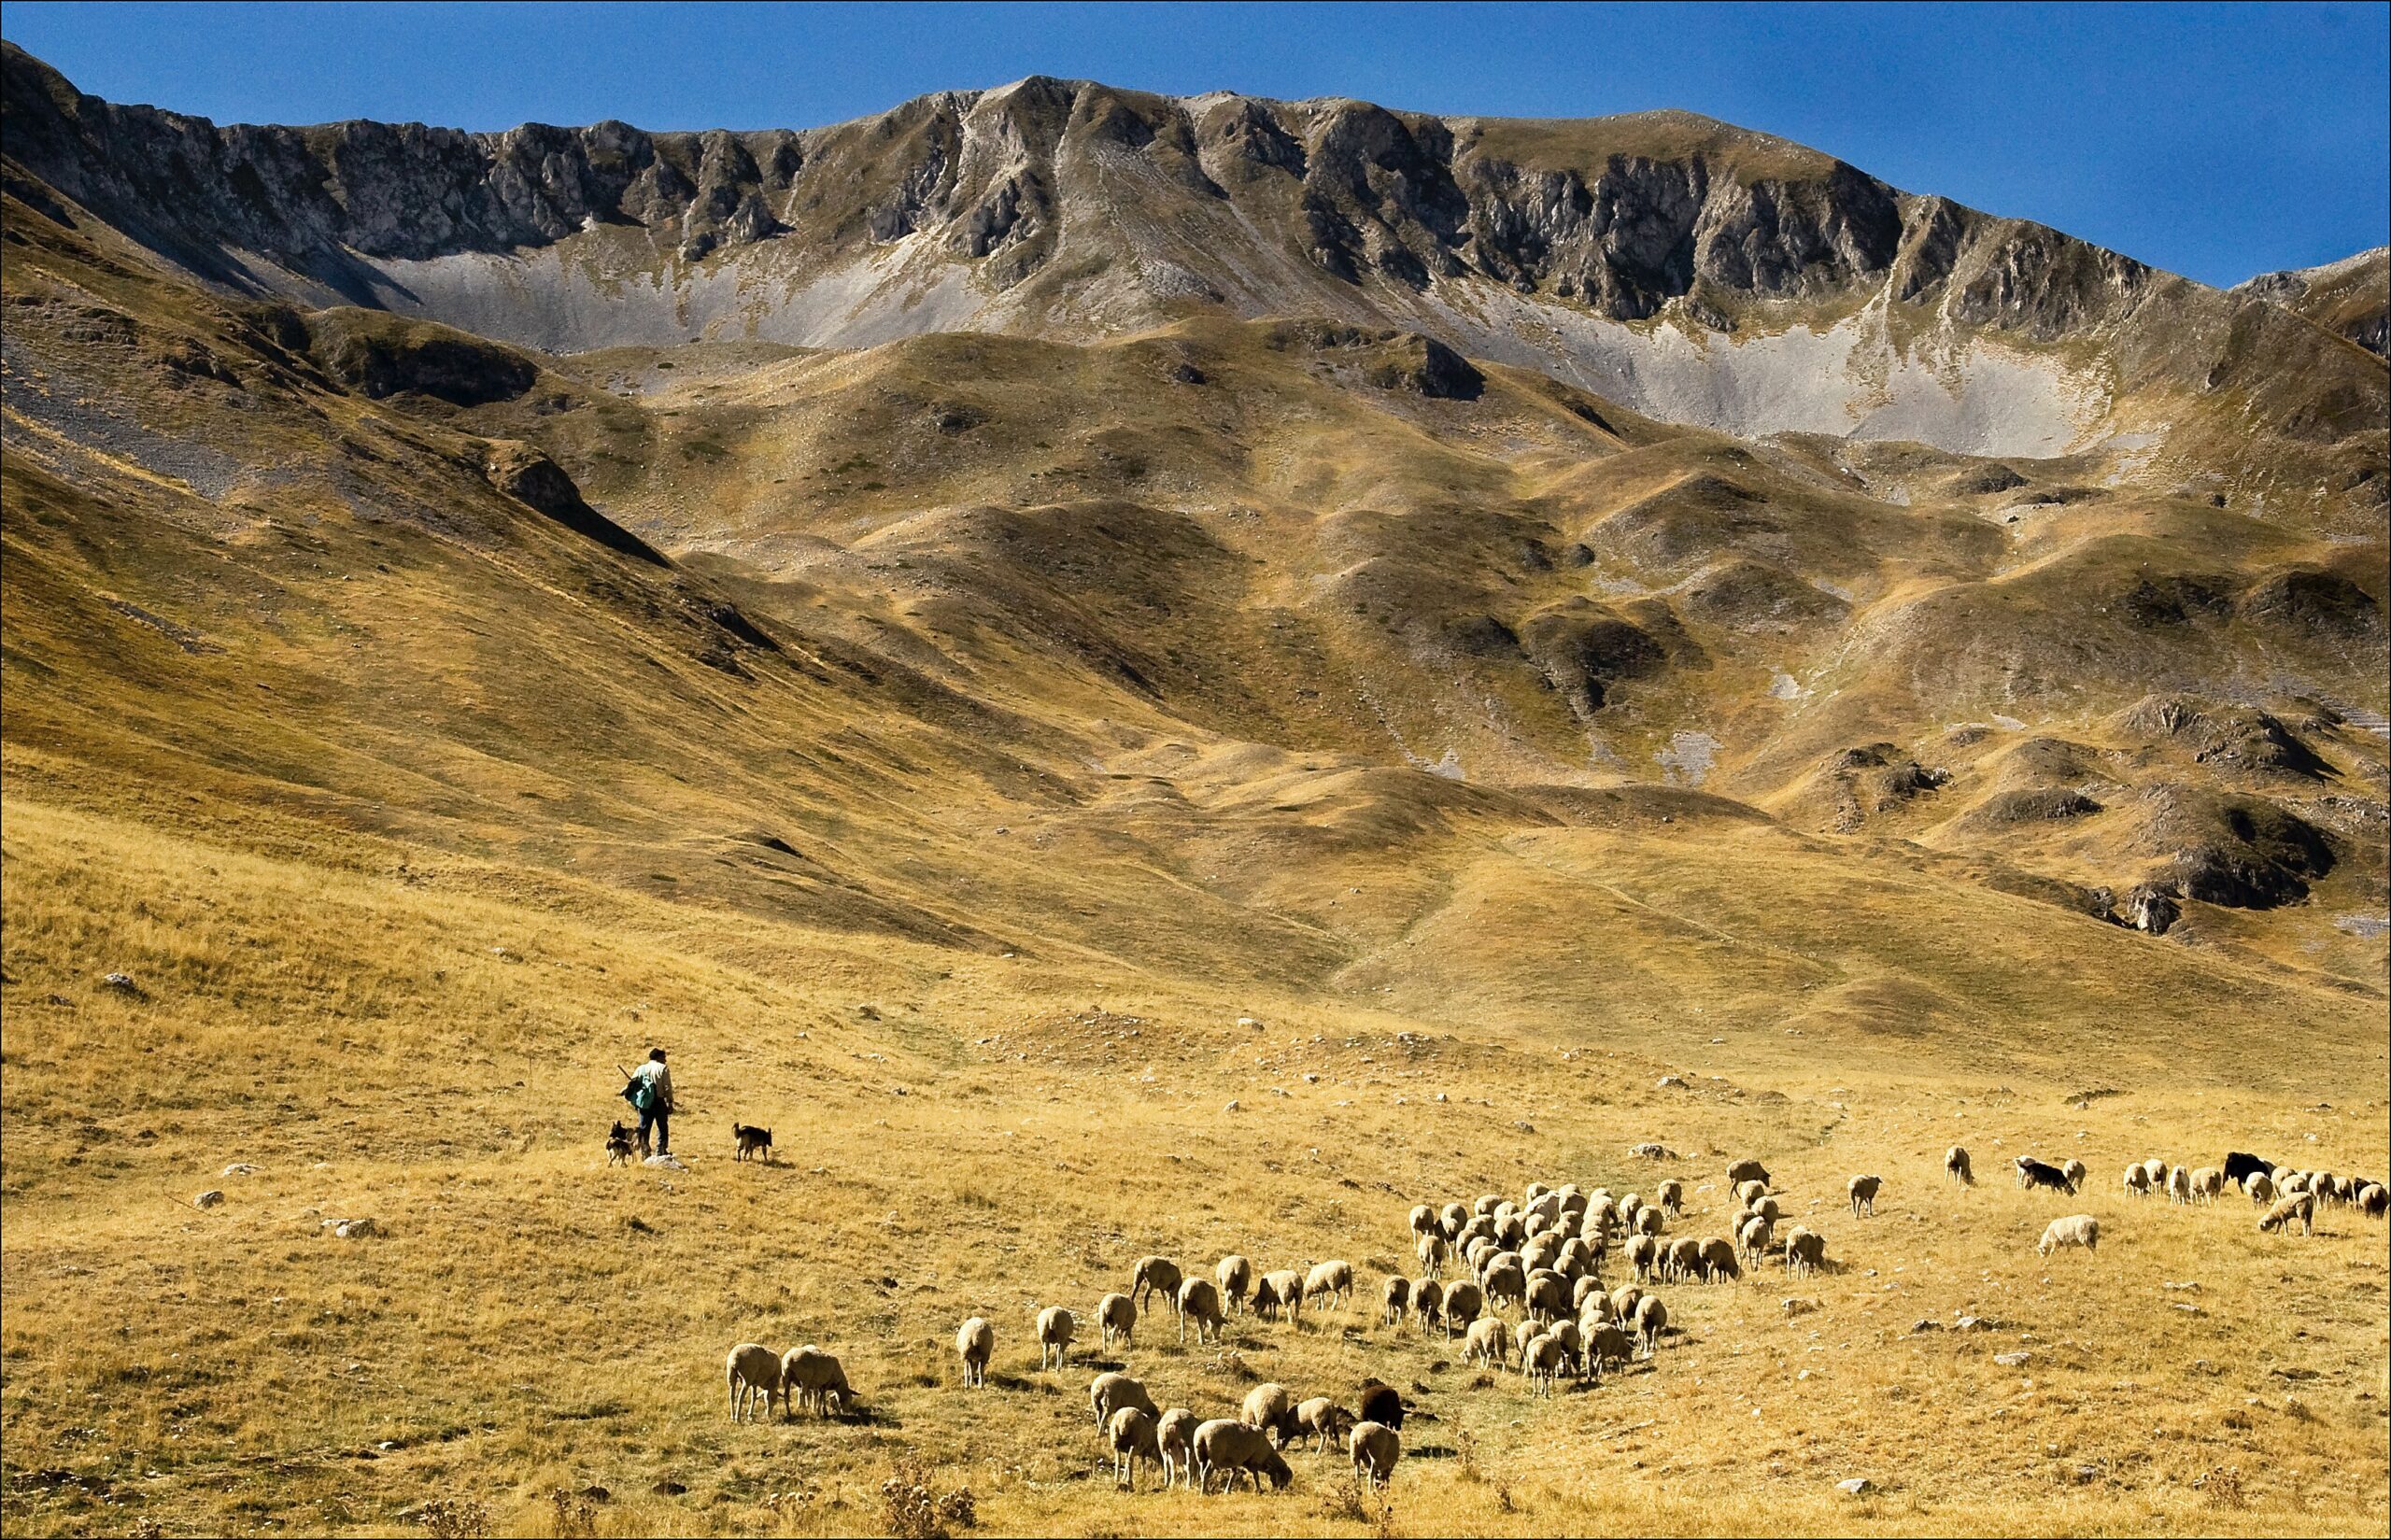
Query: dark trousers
point(661, 1121)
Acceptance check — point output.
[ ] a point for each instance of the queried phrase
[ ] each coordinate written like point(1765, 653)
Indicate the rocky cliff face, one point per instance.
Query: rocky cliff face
point(1685, 268)
point(2350, 298)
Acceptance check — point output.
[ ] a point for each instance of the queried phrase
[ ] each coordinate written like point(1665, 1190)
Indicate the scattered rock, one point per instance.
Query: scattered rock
point(356, 1229)
point(1858, 1486)
point(208, 1199)
point(2013, 1361)
point(1231, 1107)
point(123, 983)
point(665, 1163)
point(1670, 1082)
point(240, 1169)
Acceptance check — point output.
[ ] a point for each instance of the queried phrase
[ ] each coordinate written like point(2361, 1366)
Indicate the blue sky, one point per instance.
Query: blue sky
point(2215, 140)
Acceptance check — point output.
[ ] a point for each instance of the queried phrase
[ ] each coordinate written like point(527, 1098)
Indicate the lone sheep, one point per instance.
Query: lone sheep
point(1863, 1191)
point(975, 1342)
point(2071, 1230)
point(1955, 1166)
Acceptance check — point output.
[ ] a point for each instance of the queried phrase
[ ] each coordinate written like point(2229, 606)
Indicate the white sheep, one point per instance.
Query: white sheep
point(1397, 1299)
point(1153, 1274)
point(1488, 1342)
point(1375, 1448)
point(814, 1379)
point(2260, 1186)
point(2071, 1230)
point(1227, 1449)
point(1116, 1317)
point(1199, 1300)
point(975, 1342)
point(1174, 1444)
point(1956, 1166)
point(1057, 1326)
point(2179, 1185)
point(1863, 1192)
point(1132, 1434)
point(1806, 1251)
point(754, 1373)
point(1329, 1279)
point(1109, 1393)
point(1433, 1249)
point(1652, 1320)
point(1606, 1343)
point(1540, 1361)
point(1427, 1303)
point(1322, 1420)
point(1285, 1287)
point(1670, 1195)
point(2137, 1180)
point(2076, 1171)
point(1234, 1275)
point(2298, 1209)
point(2208, 1183)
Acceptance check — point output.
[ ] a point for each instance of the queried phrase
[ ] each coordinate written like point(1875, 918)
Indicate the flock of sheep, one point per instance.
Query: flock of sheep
point(1544, 1256)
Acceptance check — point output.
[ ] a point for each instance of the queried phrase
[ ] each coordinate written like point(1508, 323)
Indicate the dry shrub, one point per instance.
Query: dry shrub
point(912, 1509)
point(1341, 1502)
point(456, 1518)
point(2222, 1487)
point(576, 1516)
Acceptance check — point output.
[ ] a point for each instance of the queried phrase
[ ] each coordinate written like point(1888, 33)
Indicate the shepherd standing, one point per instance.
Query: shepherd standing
point(649, 1090)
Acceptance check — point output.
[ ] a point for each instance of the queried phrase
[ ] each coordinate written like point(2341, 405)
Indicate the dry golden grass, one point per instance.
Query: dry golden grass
point(531, 1319)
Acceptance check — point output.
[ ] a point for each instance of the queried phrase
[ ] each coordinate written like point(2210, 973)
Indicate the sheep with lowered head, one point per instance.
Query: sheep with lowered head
point(1116, 1316)
point(2071, 1230)
point(1427, 1303)
point(1956, 1166)
point(1234, 1275)
point(1199, 1301)
point(1133, 1435)
point(1330, 1280)
point(1174, 1442)
point(814, 1381)
point(1269, 1408)
point(1057, 1326)
point(2137, 1180)
point(1109, 1393)
point(1322, 1420)
point(1652, 1320)
point(1154, 1275)
point(975, 1343)
point(754, 1373)
point(2298, 1209)
point(1227, 1449)
point(1375, 1448)
point(2260, 1186)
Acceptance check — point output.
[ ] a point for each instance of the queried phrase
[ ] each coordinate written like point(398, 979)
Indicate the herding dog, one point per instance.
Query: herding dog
point(752, 1142)
point(618, 1146)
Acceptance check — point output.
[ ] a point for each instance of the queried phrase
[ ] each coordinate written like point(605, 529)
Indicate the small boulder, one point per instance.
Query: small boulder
point(208, 1199)
point(1858, 1486)
point(355, 1229)
point(240, 1169)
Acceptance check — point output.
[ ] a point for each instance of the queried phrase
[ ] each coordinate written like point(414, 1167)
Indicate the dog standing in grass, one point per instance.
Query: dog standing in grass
point(752, 1143)
point(618, 1145)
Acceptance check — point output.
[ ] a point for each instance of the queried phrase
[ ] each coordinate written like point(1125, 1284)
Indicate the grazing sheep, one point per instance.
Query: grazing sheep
point(1749, 1170)
point(1199, 1301)
point(1648, 1222)
point(1285, 1287)
point(2208, 1183)
point(1226, 1449)
point(2260, 1186)
point(1623, 1301)
point(1683, 1258)
point(1541, 1361)
point(1586, 1288)
point(2156, 1171)
point(1455, 1215)
point(1955, 1166)
point(1107, 1393)
point(2292, 1185)
point(1375, 1448)
point(1427, 1303)
point(975, 1343)
point(1234, 1275)
point(1670, 1195)
point(1323, 1420)
point(1606, 1344)
point(2071, 1230)
point(1153, 1274)
point(1806, 1252)
point(1769, 1209)
point(2374, 1200)
point(2298, 1209)
point(1863, 1191)
point(1505, 1280)
point(1423, 1219)
point(814, 1379)
point(1719, 1260)
point(1397, 1300)
point(1652, 1320)
point(2076, 1171)
point(1487, 1202)
point(1174, 1439)
point(1116, 1316)
point(2179, 1185)
point(2032, 1173)
point(1593, 1309)
point(1330, 1280)
point(1477, 1251)
point(1269, 1408)
point(753, 1372)
point(1057, 1326)
point(1463, 1302)
point(1133, 1435)
point(1574, 1260)
point(1644, 1257)
point(1548, 1295)
point(1380, 1403)
point(1755, 1234)
point(2137, 1181)
point(1751, 1192)
point(1432, 1249)
point(1489, 1342)
point(1540, 1251)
